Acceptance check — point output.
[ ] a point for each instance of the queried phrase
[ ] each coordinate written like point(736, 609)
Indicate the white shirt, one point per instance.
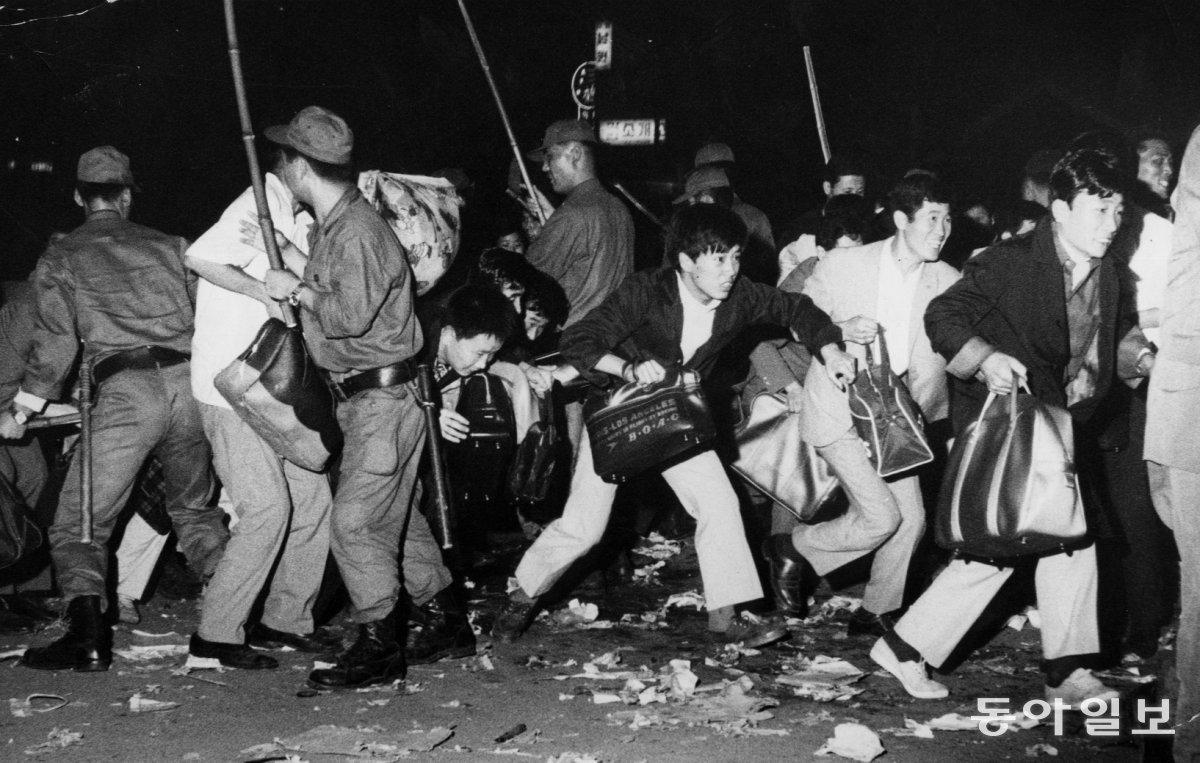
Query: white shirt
point(897, 291)
point(1149, 264)
point(226, 322)
point(697, 321)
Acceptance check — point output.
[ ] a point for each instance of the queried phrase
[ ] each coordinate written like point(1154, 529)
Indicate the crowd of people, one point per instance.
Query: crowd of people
point(1081, 293)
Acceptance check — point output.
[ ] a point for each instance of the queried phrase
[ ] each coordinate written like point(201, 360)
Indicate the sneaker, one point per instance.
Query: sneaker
point(750, 635)
point(514, 619)
point(127, 611)
point(913, 676)
point(1079, 687)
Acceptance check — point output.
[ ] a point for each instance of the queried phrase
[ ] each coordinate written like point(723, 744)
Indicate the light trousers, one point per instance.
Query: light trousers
point(885, 517)
point(700, 482)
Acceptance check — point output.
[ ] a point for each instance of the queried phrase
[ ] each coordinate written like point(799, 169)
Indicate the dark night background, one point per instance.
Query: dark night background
point(968, 88)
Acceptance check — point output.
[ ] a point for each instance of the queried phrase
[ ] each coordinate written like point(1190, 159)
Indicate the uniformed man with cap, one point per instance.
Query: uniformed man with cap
point(356, 301)
point(120, 288)
point(587, 243)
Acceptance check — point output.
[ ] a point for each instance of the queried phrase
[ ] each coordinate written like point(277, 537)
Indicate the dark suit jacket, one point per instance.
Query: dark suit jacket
point(643, 320)
point(1011, 299)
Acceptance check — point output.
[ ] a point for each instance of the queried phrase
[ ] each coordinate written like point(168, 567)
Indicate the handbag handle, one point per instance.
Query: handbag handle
point(1012, 402)
point(885, 363)
point(674, 378)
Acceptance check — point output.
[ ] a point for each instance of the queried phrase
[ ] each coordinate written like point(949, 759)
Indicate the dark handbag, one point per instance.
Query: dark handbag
point(636, 427)
point(1010, 483)
point(778, 462)
point(18, 533)
point(536, 461)
point(278, 391)
point(479, 464)
point(886, 418)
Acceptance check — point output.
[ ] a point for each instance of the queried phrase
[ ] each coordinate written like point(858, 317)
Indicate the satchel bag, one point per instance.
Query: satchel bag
point(18, 533)
point(1010, 483)
point(886, 418)
point(536, 461)
point(478, 465)
point(637, 427)
point(773, 458)
point(278, 391)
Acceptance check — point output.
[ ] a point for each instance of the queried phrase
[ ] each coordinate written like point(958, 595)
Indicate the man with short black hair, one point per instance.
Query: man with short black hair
point(886, 287)
point(356, 301)
point(122, 289)
point(1046, 311)
point(683, 315)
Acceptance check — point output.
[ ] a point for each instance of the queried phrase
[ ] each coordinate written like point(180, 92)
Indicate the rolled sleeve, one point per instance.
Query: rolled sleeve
point(967, 361)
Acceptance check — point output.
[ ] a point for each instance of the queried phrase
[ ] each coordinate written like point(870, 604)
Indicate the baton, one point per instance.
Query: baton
point(85, 452)
point(442, 502)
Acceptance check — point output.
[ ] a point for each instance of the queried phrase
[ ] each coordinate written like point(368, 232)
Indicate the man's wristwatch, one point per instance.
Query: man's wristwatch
point(293, 297)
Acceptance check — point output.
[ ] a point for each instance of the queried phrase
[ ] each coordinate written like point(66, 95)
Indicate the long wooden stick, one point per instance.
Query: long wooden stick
point(816, 99)
point(256, 180)
point(443, 500)
point(512, 139)
point(84, 453)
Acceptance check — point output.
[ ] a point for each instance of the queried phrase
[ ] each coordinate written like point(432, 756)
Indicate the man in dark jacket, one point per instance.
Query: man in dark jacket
point(655, 320)
point(1047, 310)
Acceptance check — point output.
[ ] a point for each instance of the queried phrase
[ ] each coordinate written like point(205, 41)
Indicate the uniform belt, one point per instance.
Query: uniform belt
point(392, 375)
point(150, 356)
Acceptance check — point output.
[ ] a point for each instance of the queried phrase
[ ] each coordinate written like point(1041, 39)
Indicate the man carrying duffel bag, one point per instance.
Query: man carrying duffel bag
point(655, 321)
point(1048, 310)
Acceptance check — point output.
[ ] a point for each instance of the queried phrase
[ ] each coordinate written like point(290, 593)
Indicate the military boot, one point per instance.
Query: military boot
point(86, 646)
point(439, 629)
point(375, 657)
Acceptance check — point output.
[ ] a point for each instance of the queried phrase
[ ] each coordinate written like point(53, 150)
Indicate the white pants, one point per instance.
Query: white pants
point(1066, 598)
point(703, 488)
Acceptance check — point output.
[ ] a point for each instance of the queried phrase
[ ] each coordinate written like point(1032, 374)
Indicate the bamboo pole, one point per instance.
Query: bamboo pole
point(816, 99)
point(512, 139)
point(256, 179)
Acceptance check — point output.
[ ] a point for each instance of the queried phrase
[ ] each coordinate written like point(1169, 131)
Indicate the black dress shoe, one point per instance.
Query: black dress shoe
point(439, 630)
point(261, 636)
point(866, 623)
point(792, 579)
point(231, 655)
point(86, 646)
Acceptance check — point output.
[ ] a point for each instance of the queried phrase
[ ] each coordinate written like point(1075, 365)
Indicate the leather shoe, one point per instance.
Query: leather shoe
point(514, 619)
point(231, 655)
point(263, 637)
point(792, 579)
point(375, 657)
point(86, 646)
point(863, 622)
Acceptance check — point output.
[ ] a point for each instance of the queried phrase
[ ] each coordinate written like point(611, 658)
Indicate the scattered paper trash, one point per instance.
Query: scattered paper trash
point(576, 613)
point(854, 741)
point(605, 698)
point(11, 653)
point(680, 680)
point(658, 547)
point(150, 652)
point(685, 599)
point(141, 704)
point(357, 743)
point(1041, 748)
point(648, 575)
point(823, 679)
point(56, 739)
point(148, 634)
point(1017, 622)
point(36, 703)
point(913, 729)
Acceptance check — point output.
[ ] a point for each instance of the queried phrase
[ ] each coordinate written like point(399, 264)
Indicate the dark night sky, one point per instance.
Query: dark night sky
point(970, 88)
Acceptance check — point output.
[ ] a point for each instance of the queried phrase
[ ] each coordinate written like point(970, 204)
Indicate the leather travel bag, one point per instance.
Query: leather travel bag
point(636, 427)
point(279, 392)
point(536, 462)
point(774, 459)
point(1010, 487)
point(886, 418)
point(478, 466)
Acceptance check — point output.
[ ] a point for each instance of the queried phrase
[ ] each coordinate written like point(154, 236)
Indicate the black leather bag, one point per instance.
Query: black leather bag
point(478, 466)
point(886, 418)
point(536, 462)
point(1010, 486)
point(774, 459)
point(636, 427)
point(19, 535)
point(277, 389)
